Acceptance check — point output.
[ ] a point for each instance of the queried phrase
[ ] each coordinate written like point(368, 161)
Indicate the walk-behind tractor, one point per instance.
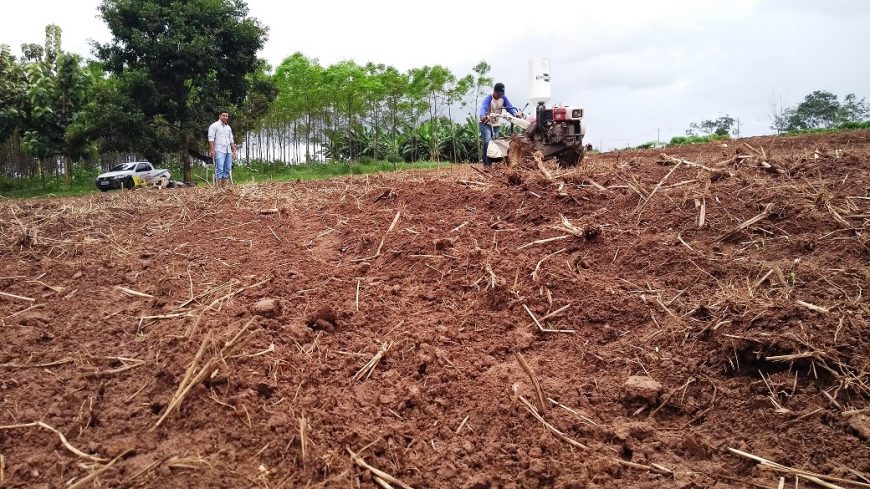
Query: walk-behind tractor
point(556, 132)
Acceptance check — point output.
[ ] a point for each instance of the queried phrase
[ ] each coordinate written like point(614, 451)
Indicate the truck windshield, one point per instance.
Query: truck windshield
point(123, 166)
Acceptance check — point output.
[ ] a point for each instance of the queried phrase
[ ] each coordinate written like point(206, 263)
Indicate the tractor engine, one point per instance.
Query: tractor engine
point(555, 132)
point(558, 125)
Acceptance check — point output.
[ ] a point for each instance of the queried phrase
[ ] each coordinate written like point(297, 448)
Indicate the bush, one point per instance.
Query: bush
point(83, 176)
point(683, 140)
point(855, 125)
point(846, 126)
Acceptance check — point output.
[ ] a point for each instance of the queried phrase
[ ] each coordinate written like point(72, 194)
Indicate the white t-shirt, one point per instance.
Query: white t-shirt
point(222, 136)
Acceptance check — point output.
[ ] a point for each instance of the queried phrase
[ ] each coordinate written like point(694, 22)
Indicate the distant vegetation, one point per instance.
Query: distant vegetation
point(818, 110)
point(842, 127)
point(683, 140)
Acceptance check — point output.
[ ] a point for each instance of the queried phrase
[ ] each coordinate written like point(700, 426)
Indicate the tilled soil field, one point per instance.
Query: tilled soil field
point(692, 319)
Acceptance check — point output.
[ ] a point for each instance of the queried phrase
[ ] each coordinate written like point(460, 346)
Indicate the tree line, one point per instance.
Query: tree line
point(347, 111)
point(139, 99)
point(818, 110)
point(150, 91)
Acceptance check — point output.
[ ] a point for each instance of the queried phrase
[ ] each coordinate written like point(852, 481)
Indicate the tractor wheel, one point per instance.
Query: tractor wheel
point(571, 157)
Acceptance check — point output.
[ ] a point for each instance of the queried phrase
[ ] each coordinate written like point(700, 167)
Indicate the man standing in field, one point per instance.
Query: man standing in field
point(222, 148)
point(489, 123)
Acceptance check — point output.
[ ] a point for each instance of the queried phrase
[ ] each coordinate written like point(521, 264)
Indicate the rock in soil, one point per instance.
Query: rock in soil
point(861, 424)
point(642, 387)
point(269, 307)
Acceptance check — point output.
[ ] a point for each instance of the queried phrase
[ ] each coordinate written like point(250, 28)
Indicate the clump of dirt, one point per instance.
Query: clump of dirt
point(443, 244)
point(514, 176)
point(325, 318)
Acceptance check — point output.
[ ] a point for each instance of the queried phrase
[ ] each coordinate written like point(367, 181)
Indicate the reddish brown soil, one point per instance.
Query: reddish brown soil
point(648, 293)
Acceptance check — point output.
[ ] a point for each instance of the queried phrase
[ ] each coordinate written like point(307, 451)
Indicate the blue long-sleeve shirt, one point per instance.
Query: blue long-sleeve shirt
point(484, 109)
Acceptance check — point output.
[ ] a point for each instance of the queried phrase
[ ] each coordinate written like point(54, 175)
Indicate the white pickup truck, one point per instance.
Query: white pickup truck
point(131, 175)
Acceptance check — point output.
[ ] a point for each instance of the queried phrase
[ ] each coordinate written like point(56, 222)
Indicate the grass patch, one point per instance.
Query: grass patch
point(255, 171)
point(279, 172)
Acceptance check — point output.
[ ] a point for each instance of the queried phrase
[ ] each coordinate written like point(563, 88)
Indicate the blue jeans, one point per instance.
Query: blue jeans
point(223, 164)
point(487, 132)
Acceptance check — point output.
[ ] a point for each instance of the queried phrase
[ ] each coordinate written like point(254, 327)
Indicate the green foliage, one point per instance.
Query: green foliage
point(820, 110)
point(348, 112)
point(683, 140)
point(720, 127)
point(40, 95)
point(278, 171)
point(846, 126)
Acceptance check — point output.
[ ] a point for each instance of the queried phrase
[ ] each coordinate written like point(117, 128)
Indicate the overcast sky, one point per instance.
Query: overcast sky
point(636, 66)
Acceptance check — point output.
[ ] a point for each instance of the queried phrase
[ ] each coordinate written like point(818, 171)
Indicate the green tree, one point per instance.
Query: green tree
point(13, 93)
point(346, 84)
point(457, 91)
point(853, 110)
point(301, 95)
point(721, 126)
point(258, 102)
point(396, 86)
point(54, 94)
point(181, 62)
point(375, 97)
point(818, 109)
point(482, 85)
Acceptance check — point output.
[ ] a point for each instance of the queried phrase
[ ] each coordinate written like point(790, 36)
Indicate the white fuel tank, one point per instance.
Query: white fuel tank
point(539, 80)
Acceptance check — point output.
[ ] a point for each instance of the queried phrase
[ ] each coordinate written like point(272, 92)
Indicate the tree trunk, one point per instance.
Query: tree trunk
point(185, 159)
point(67, 163)
point(453, 158)
point(474, 112)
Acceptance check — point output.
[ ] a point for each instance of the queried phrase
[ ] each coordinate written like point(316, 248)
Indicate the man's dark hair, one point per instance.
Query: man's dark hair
point(499, 87)
point(223, 112)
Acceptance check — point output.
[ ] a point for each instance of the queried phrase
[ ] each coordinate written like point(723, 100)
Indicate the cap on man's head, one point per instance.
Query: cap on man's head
point(499, 87)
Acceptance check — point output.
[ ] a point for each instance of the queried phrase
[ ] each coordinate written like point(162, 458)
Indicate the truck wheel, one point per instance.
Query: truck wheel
point(129, 183)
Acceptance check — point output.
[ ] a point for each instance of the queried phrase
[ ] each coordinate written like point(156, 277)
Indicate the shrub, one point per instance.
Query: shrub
point(682, 140)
